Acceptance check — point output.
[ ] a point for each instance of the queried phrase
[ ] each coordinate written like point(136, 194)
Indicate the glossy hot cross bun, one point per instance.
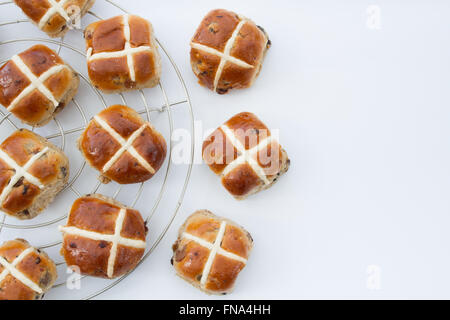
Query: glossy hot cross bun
point(122, 54)
point(54, 17)
point(32, 172)
point(227, 51)
point(36, 84)
point(122, 146)
point(103, 238)
point(245, 155)
point(210, 252)
point(26, 273)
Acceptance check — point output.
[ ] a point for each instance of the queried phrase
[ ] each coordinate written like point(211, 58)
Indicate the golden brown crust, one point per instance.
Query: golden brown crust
point(127, 259)
point(89, 256)
point(25, 200)
point(124, 120)
point(249, 46)
point(56, 25)
point(216, 28)
point(13, 82)
point(34, 9)
point(40, 58)
point(233, 241)
point(95, 138)
point(205, 66)
point(113, 74)
point(223, 275)
point(241, 181)
point(105, 36)
point(98, 214)
point(249, 129)
point(98, 146)
point(36, 266)
point(36, 109)
point(219, 152)
point(235, 77)
point(190, 257)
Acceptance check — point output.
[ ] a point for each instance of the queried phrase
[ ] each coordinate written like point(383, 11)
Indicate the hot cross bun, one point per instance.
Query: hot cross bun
point(36, 84)
point(227, 51)
point(122, 54)
point(210, 252)
point(26, 273)
point(122, 146)
point(245, 155)
point(32, 172)
point(103, 238)
point(55, 17)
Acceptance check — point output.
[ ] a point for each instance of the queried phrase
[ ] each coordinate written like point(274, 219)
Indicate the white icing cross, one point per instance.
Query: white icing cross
point(36, 83)
point(21, 172)
point(56, 7)
point(10, 268)
point(215, 249)
point(225, 55)
point(246, 155)
point(126, 146)
point(127, 52)
point(116, 239)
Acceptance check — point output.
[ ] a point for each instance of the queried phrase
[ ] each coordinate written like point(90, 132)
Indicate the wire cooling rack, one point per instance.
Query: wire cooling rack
point(65, 130)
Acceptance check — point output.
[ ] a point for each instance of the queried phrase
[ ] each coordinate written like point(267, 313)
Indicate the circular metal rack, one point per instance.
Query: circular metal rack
point(62, 134)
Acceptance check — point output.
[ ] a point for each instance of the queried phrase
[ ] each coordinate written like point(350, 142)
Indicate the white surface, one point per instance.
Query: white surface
point(364, 116)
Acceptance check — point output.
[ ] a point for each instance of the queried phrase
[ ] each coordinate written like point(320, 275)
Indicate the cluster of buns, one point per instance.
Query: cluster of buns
point(227, 52)
point(102, 237)
point(210, 251)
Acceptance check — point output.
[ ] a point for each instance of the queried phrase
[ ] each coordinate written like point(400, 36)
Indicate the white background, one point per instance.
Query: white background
point(363, 115)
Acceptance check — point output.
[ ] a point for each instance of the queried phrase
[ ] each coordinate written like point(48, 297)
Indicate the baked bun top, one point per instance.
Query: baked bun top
point(26, 273)
point(28, 165)
point(52, 17)
point(103, 238)
point(33, 83)
point(244, 152)
point(122, 146)
point(121, 53)
point(227, 50)
point(211, 251)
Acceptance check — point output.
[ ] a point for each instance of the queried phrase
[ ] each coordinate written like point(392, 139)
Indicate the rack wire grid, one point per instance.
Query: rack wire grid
point(86, 104)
